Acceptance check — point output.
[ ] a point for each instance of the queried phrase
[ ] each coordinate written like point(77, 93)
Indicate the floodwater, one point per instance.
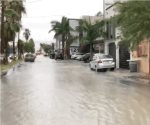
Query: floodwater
point(49, 92)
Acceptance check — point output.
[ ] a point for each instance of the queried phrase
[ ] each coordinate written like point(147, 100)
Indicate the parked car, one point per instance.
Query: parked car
point(74, 56)
point(86, 57)
point(79, 57)
point(58, 55)
point(45, 54)
point(37, 53)
point(102, 61)
point(52, 55)
point(29, 57)
point(12, 57)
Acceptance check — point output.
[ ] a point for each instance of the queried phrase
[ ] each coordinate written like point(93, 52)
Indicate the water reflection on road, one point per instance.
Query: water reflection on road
point(68, 93)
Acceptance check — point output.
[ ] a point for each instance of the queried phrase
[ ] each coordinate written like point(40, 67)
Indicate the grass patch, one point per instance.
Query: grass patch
point(9, 65)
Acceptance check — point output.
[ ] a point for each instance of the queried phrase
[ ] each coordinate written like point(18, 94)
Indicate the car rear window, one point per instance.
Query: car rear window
point(29, 55)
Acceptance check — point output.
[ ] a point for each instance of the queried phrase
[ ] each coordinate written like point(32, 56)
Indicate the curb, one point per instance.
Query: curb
point(3, 73)
point(129, 76)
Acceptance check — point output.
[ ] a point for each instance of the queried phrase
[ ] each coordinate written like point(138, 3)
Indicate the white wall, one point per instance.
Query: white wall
point(73, 24)
point(110, 12)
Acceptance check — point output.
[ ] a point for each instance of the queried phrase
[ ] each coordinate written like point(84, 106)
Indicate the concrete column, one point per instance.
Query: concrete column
point(106, 48)
point(117, 57)
point(117, 54)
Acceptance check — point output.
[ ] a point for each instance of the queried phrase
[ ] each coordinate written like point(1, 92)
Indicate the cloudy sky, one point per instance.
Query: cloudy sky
point(41, 12)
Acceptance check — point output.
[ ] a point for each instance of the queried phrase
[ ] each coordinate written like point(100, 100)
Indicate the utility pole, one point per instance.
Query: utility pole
point(2, 26)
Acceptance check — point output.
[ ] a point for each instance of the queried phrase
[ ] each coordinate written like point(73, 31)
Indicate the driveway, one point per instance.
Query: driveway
point(49, 92)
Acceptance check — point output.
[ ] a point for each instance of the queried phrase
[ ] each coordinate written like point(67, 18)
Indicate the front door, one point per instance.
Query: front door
point(124, 55)
point(112, 50)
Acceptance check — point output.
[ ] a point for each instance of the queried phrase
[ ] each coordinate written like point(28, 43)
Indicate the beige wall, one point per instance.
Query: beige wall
point(92, 19)
point(144, 58)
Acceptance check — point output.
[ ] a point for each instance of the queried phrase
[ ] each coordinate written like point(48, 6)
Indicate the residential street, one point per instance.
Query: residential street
point(49, 92)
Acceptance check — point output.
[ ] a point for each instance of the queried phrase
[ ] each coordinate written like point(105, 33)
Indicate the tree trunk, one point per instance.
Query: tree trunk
point(6, 49)
point(59, 45)
point(2, 28)
point(91, 50)
point(63, 41)
point(14, 48)
point(149, 56)
point(19, 50)
point(68, 50)
point(6, 52)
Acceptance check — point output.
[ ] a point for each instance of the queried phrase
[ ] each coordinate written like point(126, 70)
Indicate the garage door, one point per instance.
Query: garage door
point(112, 50)
point(124, 55)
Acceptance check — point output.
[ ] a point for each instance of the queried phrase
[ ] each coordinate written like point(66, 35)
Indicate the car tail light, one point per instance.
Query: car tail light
point(99, 61)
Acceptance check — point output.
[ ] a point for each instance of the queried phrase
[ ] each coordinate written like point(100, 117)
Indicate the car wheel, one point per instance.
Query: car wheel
point(90, 67)
point(104, 70)
point(112, 69)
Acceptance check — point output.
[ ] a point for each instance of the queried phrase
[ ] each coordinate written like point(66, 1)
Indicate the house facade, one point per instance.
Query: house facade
point(58, 43)
point(92, 19)
point(98, 44)
point(113, 46)
point(142, 54)
point(74, 47)
point(118, 50)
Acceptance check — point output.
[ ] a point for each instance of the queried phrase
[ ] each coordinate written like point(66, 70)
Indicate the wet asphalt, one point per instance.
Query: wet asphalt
point(49, 92)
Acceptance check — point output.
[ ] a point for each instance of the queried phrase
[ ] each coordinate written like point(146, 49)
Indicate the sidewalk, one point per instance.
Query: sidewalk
point(5, 68)
point(121, 73)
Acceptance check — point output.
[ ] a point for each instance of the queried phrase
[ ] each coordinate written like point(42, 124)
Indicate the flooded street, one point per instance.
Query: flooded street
point(49, 92)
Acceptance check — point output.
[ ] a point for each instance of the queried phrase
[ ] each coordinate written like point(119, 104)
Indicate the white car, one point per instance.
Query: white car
point(74, 56)
point(102, 61)
point(29, 57)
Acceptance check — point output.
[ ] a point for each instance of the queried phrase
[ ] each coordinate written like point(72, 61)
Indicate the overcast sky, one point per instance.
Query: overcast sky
point(41, 12)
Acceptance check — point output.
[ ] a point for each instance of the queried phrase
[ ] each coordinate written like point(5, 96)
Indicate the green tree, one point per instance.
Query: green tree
point(32, 45)
point(46, 47)
point(90, 32)
point(27, 34)
point(11, 11)
point(16, 20)
point(134, 21)
point(80, 30)
point(29, 46)
point(20, 48)
point(61, 29)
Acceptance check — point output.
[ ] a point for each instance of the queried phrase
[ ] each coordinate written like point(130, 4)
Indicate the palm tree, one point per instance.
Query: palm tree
point(20, 48)
point(91, 32)
point(11, 26)
point(20, 9)
point(27, 34)
point(61, 29)
point(12, 12)
point(134, 20)
point(70, 39)
point(80, 30)
point(2, 3)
